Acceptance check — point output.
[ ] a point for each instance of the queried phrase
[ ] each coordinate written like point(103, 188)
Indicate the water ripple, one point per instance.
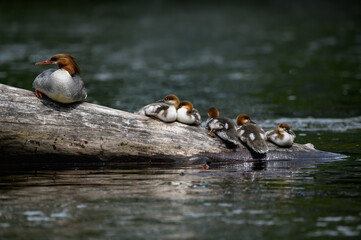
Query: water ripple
point(316, 124)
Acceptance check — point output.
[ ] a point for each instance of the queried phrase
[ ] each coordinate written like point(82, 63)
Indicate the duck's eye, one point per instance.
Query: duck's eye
point(53, 59)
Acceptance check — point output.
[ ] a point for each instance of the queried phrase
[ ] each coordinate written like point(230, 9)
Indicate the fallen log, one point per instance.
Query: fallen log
point(40, 129)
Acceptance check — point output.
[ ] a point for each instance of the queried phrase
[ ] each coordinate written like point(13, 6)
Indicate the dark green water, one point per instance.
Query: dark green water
point(277, 61)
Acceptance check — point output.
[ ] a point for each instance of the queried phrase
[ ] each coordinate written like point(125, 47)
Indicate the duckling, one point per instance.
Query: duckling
point(62, 85)
point(282, 136)
point(251, 134)
point(164, 110)
point(223, 127)
point(187, 114)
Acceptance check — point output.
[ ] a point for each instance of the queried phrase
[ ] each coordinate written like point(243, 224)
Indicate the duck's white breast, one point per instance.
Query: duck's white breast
point(183, 117)
point(171, 115)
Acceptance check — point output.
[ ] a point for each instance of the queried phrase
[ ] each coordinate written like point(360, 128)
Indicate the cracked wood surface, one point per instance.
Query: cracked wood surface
point(32, 127)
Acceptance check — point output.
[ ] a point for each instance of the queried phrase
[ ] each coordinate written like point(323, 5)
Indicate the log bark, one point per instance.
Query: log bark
point(33, 129)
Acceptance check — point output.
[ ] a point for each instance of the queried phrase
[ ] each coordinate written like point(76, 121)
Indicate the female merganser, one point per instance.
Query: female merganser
point(224, 128)
point(282, 136)
point(251, 134)
point(165, 109)
point(187, 114)
point(63, 85)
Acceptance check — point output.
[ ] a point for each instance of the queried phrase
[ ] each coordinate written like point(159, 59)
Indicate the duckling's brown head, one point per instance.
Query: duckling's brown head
point(64, 61)
point(283, 127)
point(242, 119)
point(186, 104)
point(172, 100)
point(213, 112)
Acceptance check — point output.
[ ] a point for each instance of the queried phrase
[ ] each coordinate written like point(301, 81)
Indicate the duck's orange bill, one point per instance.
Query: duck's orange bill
point(43, 63)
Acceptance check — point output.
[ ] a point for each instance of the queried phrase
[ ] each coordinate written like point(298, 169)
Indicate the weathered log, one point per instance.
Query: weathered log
point(34, 129)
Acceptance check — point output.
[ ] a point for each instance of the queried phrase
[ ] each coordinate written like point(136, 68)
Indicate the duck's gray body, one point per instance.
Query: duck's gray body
point(164, 109)
point(254, 136)
point(160, 110)
point(192, 118)
point(224, 128)
point(60, 86)
point(284, 139)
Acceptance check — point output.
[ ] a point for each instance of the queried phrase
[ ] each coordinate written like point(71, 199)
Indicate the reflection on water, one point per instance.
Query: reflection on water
point(252, 198)
point(316, 124)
